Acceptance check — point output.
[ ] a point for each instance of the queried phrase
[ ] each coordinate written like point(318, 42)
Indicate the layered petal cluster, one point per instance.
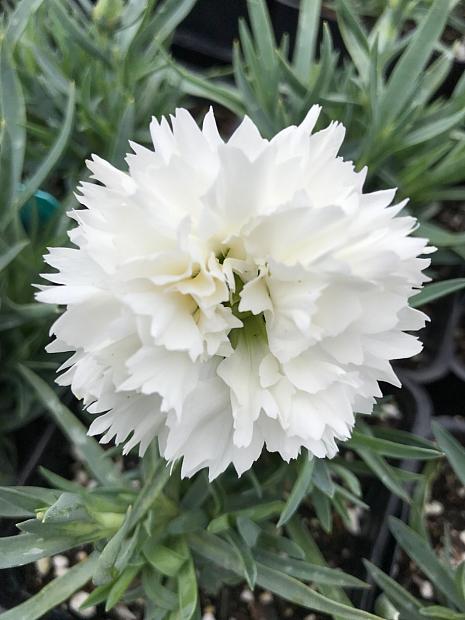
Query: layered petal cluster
point(226, 297)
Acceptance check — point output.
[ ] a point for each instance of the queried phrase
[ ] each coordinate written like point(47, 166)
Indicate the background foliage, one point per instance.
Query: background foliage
point(76, 79)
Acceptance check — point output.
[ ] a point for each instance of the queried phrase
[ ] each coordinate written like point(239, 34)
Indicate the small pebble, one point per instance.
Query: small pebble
point(81, 477)
point(79, 599)
point(123, 613)
point(354, 514)
point(265, 598)
point(310, 617)
point(461, 492)
point(426, 590)
point(247, 596)
point(43, 566)
point(208, 616)
point(460, 51)
point(288, 612)
point(434, 509)
point(391, 410)
point(81, 555)
point(462, 537)
point(60, 564)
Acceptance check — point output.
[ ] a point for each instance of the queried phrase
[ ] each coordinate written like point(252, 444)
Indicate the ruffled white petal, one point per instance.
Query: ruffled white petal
point(228, 297)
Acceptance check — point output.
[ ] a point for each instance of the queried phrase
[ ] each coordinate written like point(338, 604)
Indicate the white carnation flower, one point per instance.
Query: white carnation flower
point(223, 297)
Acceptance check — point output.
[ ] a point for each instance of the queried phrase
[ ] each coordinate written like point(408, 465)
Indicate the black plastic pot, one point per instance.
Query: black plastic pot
point(455, 426)
point(416, 408)
point(458, 361)
point(447, 87)
point(445, 376)
point(49, 450)
point(206, 36)
point(285, 16)
point(438, 340)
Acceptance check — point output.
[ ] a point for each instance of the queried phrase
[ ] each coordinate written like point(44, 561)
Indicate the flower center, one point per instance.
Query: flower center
point(254, 325)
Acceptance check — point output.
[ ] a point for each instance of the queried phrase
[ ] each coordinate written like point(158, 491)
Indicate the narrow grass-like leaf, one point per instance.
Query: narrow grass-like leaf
point(460, 578)
point(187, 591)
point(322, 478)
point(277, 543)
point(398, 436)
point(216, 550)
point(263, 33)
point(7, 182)
point(11, 253)
point(97, 596)
point(104, 569)
point(436, 290)
point(391, 448)
point(453, 450)
point(440, 237)
point(350, 479)
point(77, 34)
point(19, 19)
point(441, 613)
point(245, 555)
point(291, 77)
point(152, 488)
point(419, 551)
point(386, 609)
point(120, 586)
point(307, 31)
point(384, 472)
point(403, 600)
point(187, 522)
point(54, 593)
point(248, 95)
point(169, 15)
point(198, 86)
point(309, 572)
point(300, 594)
point(24, 501)
point(26, 548)
point(429, 131)
point(322, 506)
point(164, 559)
point(95, 459)
point(14, 118)
point(123, 134)
point(325, 73)
point(342, 492)
point(249, 530)
point(354, 37)
point(53, 155)
point(156, 592)
point(301, 535)
point(299, 490)
point(59, 482)
point(259, 512)
point(403, 80)
point(433, 76)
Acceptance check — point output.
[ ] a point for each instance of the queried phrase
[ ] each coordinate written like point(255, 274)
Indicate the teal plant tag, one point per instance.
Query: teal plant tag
point(44, 205)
